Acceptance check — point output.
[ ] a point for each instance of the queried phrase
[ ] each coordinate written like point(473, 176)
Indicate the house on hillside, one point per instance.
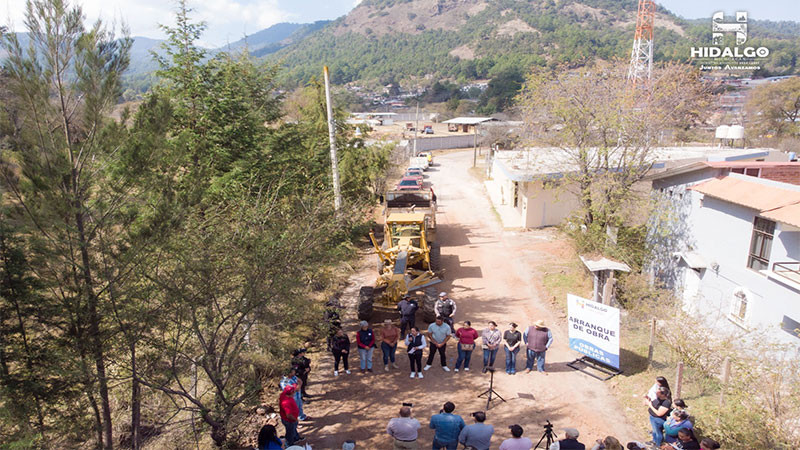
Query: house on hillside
point(527, 187)
point(727, 241)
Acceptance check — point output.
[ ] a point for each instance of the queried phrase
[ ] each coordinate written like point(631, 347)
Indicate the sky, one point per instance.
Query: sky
point(230, 20)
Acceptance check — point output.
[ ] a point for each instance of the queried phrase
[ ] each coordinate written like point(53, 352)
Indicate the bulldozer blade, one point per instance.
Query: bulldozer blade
point(430, 283)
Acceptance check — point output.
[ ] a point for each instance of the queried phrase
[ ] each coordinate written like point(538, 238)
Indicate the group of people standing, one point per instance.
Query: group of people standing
point(537, 339)
point(671, 425)
point(293, 395)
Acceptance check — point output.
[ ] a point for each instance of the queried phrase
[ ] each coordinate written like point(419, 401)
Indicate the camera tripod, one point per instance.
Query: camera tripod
point(548, 435)
point(491, 390)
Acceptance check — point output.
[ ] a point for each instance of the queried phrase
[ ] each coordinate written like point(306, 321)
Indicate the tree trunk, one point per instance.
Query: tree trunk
point(135, 402)
point(96, 340)
point(98, 422)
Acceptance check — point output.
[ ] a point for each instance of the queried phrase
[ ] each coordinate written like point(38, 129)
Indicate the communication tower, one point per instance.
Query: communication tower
point(641, 65)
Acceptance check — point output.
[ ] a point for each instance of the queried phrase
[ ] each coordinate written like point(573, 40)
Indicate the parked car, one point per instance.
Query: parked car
point(419, 161)
point(409, 183)
point(427, 129)
point(413, 171)
point(428, 155)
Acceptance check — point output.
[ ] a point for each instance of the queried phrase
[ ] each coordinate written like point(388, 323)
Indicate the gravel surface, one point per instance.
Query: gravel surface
point(492, 274)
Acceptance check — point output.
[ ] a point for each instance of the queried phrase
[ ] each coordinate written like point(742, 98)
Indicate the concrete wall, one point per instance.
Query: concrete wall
point(444, 142)
point(546, 207)
point(721, 232)
point(536, 206)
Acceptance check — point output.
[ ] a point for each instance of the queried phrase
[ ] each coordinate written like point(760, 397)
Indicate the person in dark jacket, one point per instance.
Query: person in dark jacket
point(340, 347)
point(365, 338)
point(303, 367)
point(570, 441)
point(408, 311)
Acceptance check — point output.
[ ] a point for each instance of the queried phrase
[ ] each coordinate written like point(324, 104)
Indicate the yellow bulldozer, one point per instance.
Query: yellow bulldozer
point(408, 261)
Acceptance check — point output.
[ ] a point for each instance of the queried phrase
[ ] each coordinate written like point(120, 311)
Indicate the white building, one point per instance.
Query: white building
point(729, 244)
point(527, 190)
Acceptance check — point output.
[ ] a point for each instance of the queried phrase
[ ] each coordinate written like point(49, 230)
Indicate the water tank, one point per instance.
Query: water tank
point(722, 132)
point(736, 132)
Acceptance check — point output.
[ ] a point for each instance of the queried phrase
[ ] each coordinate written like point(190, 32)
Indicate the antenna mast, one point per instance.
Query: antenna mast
point(641, 65)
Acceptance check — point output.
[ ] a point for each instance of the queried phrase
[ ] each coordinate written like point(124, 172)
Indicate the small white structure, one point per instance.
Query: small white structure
point(728, 135)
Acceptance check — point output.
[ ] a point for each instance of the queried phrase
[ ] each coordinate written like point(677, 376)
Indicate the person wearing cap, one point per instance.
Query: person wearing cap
point(408, 313)
point(290, 379)
point(479, 434)
point(404, 430)
point(303, 367)
point(570, 441)
point(513, 340)
point(446, 308)
point(517, 442)
point(365, 339)
point(538, 339)
point(439, 333)
point(390, 334)
point(289, 414)
point(349, 445)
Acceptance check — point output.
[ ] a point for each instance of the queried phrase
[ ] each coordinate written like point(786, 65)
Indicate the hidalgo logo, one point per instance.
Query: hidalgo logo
point(719, 28)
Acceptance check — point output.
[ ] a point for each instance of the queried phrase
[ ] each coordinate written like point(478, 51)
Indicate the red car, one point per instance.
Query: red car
point(409, 183)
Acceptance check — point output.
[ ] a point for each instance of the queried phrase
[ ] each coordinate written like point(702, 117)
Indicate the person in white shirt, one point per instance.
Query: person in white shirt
point(517, 442)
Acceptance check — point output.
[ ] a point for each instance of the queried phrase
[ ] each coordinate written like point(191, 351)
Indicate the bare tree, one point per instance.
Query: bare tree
point(607, 131)
point(774, 108)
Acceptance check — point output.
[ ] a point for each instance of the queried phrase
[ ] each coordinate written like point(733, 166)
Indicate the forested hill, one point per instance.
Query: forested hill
point(387, 40)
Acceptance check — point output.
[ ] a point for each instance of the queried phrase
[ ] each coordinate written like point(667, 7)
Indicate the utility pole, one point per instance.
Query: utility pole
point(475, 147)
point(337, 194)
point(416, 130)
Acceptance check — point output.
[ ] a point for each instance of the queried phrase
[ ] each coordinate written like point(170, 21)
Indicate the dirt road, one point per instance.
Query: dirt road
point(491, 274)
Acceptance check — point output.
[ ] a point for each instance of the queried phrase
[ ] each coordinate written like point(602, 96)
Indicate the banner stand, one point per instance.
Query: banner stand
point(584, 362)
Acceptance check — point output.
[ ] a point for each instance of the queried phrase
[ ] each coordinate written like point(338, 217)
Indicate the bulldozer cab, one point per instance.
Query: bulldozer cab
point(405, 234)
point(407, 229)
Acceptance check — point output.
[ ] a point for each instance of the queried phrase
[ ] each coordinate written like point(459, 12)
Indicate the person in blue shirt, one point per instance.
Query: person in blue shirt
point(447, 426)
point(268, 439)
point(291, 379)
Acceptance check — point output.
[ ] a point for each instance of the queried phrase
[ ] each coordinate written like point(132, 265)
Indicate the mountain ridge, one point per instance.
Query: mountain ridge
point(387, 40)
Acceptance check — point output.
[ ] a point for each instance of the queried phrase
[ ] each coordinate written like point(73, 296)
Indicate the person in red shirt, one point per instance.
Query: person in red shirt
point(289, 414)
point(466, 336)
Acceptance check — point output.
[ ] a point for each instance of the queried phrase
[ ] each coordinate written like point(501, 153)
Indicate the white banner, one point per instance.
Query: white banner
point(594, 330)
